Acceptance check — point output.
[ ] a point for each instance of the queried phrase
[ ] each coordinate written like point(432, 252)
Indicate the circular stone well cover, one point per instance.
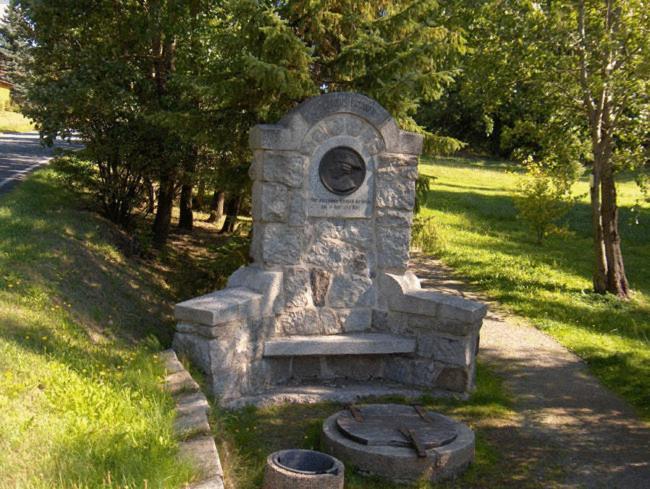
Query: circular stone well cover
point(388, 424)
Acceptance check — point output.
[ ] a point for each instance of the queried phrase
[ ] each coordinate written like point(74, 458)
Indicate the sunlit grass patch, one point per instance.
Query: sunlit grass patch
point(481, 237)
point(81, 403)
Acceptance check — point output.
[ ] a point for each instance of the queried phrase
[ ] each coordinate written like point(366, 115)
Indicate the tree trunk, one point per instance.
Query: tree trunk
point(232, 211)
point(151, 197)
point(199, 200)
point(216, 206)
point(600, 263)
point(186, 218)
point(616, 280)
point(163, 218)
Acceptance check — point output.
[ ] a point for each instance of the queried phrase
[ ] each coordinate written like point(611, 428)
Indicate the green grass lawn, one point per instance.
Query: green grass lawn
point(479, 235)
point(81, 404)
point(14, 122)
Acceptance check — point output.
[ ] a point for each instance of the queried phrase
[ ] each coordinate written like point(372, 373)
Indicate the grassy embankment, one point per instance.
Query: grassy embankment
point(81, 404)
point(14, 122)
point(479, 235)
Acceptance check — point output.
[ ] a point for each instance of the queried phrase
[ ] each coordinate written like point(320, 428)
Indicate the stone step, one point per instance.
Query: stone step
point(342, 344)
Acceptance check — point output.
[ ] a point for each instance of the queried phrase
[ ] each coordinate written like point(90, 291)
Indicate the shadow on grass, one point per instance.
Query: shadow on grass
point(49, 247)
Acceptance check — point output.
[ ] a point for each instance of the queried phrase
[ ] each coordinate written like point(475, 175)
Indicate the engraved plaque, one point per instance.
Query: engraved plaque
point(342, 170)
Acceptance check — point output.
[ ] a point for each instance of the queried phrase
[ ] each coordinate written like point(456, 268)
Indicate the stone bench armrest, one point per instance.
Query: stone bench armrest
point(403, 294)
point(220, 307)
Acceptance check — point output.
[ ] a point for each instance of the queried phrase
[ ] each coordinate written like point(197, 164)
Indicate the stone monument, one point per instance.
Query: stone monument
point(328, 308)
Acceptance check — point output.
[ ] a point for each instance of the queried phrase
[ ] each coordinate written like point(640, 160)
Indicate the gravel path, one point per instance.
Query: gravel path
point(566, 415)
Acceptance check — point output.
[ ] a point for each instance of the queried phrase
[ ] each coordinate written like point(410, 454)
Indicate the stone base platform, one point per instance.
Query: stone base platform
point(347, 393)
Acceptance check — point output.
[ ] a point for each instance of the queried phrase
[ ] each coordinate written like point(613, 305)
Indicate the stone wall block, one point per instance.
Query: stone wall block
point(358, 368)
point(297, 209)
point(297, 322)
point(429, 323)
point(393, 162)
point(425, 372)
point(271, 136)
point(410, 143)
point(399, 369)
point(286, 168)
point(447, 349)
point(393, 248)
point(393, 218)
point(349, 290)
point(454, 379)
point(328, 320)
point(264, 282)
point(297, 287)
point(306, 368)
point(275, 202)
point(394, 191)
point(392, 288)
point(355, 320)
point(282, 244)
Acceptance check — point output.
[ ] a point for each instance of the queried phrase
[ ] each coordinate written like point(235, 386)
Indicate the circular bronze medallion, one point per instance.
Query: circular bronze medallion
point(342, 170)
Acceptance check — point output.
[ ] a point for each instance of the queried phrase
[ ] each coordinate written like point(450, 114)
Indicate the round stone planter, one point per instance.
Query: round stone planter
point(303, 469)
point(452, 454)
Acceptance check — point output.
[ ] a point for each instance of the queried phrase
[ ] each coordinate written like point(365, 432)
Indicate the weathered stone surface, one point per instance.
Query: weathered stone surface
point(180, 382)
point(191, 423)
point(395, 191)
point(351, 290)
point(393, 248)
point(410, 143)
point(286, 168)
point(344, 344)
point(271, 136)
point(453, 378)
point(202, 452)
point(359, 368)
point(423, 323)
point(170, 361)
point(297, 287)
point(446, 348)
point(394, 218)
point(297, 209)
point(329, 321)
point(220, 307)
point(265, 282)
point(281, 244)
point(320, 284)
point(298, 322)
point(274, 202)
point(396, 161)
point(306, 368)
point(355, 320)
point(341, 246)
point(192, 402)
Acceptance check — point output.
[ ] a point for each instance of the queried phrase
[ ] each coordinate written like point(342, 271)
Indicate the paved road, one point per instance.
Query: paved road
point(566, 417)
point(19, 155)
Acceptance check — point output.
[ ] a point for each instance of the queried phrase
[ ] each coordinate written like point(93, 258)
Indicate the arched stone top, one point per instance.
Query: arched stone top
point(289, 133)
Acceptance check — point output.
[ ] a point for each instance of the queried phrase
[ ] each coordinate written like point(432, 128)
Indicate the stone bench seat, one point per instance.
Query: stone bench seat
point(222, 306)
point(342, 344)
